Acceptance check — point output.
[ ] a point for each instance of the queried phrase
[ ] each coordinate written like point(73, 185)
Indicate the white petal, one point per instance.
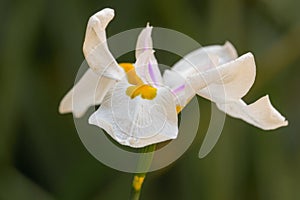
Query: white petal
point(225, 53)
point(260, 113)
point(95, 46)
point(226, 82)
point(175, 81)
point(205, 58)
point(200, 68)
point(147, 68)
point(137, 122)
point(88, 91)
point(144, 41)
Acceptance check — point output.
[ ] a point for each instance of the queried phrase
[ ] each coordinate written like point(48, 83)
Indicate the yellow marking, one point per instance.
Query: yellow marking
point(178, 109)
point(138, 182)
point(138, 88)
point(127, 66)
point(132, 77)
point(146, 91)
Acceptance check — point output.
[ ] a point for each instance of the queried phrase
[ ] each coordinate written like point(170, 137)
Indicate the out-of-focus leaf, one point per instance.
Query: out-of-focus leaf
point(15, 186)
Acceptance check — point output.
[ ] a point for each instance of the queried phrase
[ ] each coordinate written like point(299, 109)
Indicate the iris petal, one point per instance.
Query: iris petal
point(137, 122)
point(89, 90)
point(95, 47)
point(144, 41)
point(261, 113)
point(147, 68)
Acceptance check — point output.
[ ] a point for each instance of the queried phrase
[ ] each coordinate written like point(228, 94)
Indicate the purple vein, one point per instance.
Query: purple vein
point(151, 72)
point(179, 89)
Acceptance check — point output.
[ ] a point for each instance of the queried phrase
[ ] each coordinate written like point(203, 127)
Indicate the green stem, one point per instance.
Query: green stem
point(143, 165)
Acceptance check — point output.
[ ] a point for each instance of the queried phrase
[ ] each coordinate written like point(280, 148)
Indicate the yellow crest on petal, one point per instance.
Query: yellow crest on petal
point(138, 88)
point(146, 91)
point(132, 77)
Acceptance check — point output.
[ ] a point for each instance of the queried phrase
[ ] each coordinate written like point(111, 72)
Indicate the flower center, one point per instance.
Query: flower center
point(138, 88)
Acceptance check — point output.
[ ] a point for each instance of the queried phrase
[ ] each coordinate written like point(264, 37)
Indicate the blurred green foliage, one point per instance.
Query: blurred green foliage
point(41, 156)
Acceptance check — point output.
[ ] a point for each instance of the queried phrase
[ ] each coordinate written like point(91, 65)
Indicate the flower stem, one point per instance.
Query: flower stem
point(144, 165)
point(137, 183)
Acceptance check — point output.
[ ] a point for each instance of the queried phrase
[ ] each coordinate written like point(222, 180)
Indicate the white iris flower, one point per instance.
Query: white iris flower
point(139, 106)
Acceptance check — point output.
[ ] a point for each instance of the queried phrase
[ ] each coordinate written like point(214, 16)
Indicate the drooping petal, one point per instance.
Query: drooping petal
point(147, 68)
point(192, 69)
point(205, 58)
point(95, 46)
point(144, 41)
point(88, 91)
point(228, 83)
point(260, 113)
point(224, 53)
point(232, 80)
point(137, 122)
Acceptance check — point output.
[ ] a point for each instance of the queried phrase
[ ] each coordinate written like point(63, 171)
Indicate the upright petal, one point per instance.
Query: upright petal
point(144, 41)
point(137, 122)
point(260, 113)
point(89, 90)
point(147, 68)
point(95, 46)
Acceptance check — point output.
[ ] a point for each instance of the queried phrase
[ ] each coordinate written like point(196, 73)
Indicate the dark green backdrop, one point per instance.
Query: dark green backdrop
point(41, 156)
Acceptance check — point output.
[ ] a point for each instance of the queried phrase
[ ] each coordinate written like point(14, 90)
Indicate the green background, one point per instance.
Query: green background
point(41, 155)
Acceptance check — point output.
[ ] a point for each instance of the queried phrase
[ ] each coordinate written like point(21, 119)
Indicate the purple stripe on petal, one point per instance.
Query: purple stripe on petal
point(151, 72)
point(179, 89)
